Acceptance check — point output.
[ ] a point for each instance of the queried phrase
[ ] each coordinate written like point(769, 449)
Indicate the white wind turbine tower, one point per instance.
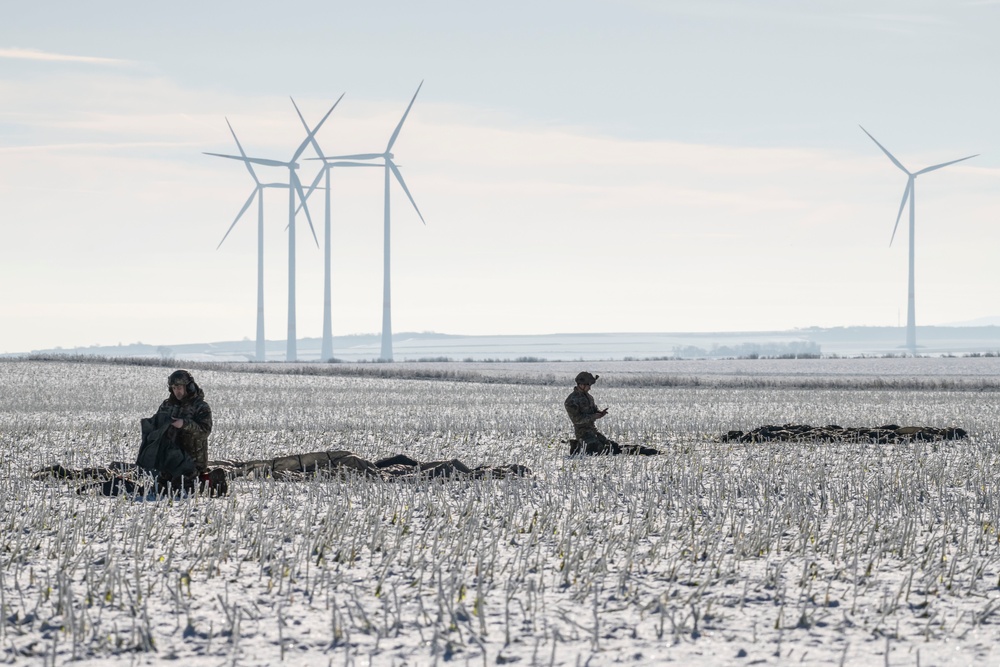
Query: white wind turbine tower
point(258, 192)
point(294, 187)
point(326, 351)
point(911, 326)
point(390, 169)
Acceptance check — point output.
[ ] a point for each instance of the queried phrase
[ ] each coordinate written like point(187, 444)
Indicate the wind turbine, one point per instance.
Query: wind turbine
point(326, 351)
point(393, 170)
point(909, 192)
point(258, 192)
point(294, 187)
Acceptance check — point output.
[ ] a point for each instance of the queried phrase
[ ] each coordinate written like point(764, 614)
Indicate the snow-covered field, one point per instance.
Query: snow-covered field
point(711, 554)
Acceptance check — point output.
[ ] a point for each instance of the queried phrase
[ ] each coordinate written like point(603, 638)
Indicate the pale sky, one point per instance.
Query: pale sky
point(584, 166)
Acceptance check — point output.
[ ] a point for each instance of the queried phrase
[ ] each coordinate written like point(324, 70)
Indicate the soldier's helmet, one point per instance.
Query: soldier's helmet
point(586, 378)
point(183, 377)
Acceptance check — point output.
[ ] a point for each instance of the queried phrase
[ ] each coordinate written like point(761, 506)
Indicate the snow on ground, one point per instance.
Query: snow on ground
point(712, 554)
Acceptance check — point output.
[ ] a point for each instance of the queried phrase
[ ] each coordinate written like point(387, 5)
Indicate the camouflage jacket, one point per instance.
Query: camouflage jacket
point(582, 410)
point(197, 416)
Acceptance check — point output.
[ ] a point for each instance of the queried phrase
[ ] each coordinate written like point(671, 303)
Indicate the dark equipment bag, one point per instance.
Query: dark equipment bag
point(159, 451)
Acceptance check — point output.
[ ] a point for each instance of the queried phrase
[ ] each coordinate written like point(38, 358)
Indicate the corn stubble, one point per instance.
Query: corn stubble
point(713, 552)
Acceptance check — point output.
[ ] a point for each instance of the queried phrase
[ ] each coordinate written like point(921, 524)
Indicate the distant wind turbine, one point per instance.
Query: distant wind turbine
point(294, 188)
point(909, 192)
point(258, 192)
point(326, 351)
point(390, 168)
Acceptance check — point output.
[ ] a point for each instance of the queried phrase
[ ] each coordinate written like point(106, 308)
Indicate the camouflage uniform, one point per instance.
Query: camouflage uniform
point(197, 416)
point(582, 410)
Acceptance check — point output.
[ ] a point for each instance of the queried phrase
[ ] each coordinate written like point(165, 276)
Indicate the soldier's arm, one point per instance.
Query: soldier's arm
point(201, 422)
point(598, 413)
point(580, 413)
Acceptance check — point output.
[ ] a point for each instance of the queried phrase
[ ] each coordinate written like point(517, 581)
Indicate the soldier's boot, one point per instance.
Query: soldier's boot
point(174, 486)
point(640, 450)
point(606, 448)
point(214, 482)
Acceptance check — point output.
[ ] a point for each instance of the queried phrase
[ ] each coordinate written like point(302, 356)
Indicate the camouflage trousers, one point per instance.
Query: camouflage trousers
point(593, 443)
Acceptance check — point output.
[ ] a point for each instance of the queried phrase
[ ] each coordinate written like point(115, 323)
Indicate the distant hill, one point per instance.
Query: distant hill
point(813, 341)
point(993, 321)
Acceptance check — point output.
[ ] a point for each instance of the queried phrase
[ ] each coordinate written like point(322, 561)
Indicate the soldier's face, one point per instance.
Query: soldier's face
point(584, 387)
point(179, 391)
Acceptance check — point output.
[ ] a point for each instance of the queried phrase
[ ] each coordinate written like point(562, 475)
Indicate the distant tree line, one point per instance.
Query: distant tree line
point(787, 350)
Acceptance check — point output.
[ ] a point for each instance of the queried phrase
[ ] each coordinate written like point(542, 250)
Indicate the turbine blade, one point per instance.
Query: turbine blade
point(312, 187)
point(944, 164)
point(353, 164)
point(313, 132)
point(301, 204)
point(302, 197)
point(395, 133)
point(255, 160)
point(329, 165)
point(239, 215)
point(902, 205)
point(253, 174)
point(888, 154)
point(315, 145)
point(360, 156)
point(399, 177)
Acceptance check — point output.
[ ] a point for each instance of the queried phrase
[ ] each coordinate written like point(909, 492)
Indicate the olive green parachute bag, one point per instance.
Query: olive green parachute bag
point(159, 451)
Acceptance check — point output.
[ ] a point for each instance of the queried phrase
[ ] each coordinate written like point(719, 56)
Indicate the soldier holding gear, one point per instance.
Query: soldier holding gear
point(583, 412)
point(190, 416)
point(175, 439)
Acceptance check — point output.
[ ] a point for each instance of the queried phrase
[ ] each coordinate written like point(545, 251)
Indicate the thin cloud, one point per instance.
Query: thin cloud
point(90, 146)
point(36, 54)
point(915, 20)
